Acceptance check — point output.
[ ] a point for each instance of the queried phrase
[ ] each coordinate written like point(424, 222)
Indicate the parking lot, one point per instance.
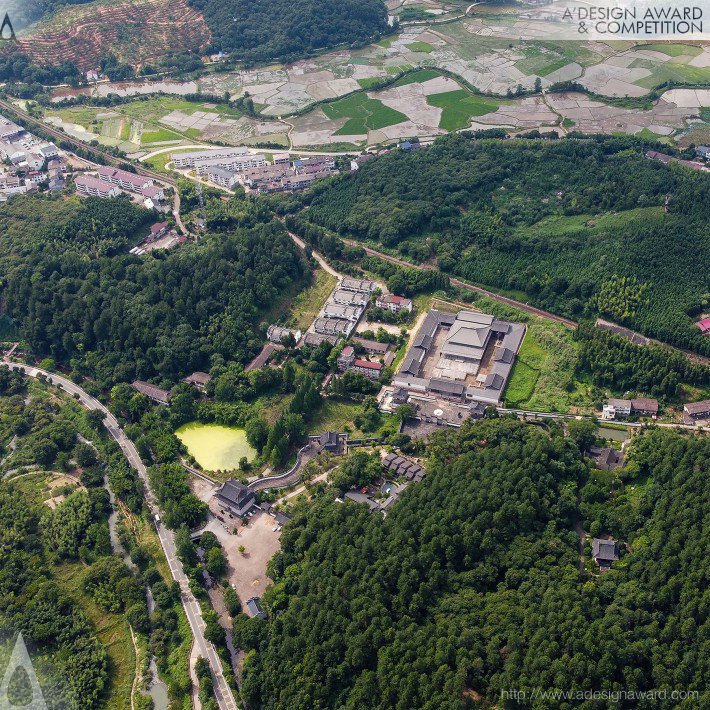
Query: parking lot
point(247, 570)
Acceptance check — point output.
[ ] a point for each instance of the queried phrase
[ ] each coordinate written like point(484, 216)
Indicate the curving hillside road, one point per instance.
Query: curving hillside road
point(222, 691)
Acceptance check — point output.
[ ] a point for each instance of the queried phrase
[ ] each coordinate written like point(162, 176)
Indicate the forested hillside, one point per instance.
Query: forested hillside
point(576, 226)
point(471, 584)
point(78, 296)
point(262, 30)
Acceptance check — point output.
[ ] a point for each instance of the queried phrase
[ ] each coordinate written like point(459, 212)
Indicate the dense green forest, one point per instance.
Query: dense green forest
point(576, 225)
point(77, 296)
point(60, 584)
point(472, 585)
point(263, 30)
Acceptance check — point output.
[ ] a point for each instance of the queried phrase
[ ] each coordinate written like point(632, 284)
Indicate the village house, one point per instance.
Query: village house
point(281, 159)
point(616, 408)
point(364, 285)
point(620, 408)
point(151, 391)
point(395, 304)
point(644, 407)
point(704, 326)
point(254, 608)
point(346, 358)
point(222, 177)
point(696, 412)
point(333, 326)
point(154, 192)
point(234, 163)
point(334, 310)
point(198, 379)
point(187, 160)
point(349, 298)
point(158, 230)
point(276, 333)
point(372, 347)
point(373, 370)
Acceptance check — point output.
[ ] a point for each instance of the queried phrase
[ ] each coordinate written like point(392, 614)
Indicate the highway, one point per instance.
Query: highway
point(223, 693)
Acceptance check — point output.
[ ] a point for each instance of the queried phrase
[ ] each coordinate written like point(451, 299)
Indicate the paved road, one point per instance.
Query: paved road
point(222, 691)
point(323, 263)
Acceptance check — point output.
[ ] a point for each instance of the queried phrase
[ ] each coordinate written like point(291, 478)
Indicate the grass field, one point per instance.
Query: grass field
point(459, 107)
point(420, 47)
point(543, 377)
point(306, 305)
point(363, 114)
point(160, 134)
point(336, 415)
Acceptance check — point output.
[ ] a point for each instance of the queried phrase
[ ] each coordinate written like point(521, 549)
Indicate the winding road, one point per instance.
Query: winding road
point(223, 693)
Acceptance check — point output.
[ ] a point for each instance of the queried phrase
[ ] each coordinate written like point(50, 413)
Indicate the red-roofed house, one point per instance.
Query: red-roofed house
point(394, 303)
point(373, 370)
point(124, 179)
point(704, 326)
point(158, 229)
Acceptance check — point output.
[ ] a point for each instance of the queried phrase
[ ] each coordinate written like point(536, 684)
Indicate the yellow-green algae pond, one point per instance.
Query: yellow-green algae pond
point(215, 447)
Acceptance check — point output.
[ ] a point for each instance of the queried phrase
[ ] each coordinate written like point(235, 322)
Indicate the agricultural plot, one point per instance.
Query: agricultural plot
point(363, 114)
point(459, 107)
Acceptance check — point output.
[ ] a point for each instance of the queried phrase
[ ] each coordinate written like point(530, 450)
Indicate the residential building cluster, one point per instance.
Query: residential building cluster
point(666, 159)
point(112, 182)
point(344, 308)
point(228, 167)
point(30, 162)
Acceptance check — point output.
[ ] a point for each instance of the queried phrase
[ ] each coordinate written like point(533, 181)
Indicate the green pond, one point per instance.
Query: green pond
point(215, 447)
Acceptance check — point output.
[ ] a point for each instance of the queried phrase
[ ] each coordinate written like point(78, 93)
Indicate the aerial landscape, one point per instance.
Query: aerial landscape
point(355, 354)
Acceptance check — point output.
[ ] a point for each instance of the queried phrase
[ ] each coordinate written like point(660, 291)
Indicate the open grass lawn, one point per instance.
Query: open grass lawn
point(307, 304)
point(459, 107)
point(420, 47)
point(363, 114)
point(338, 415)
point(159, 134)
point(113, 632)
point(543, 377)
point(162, 159)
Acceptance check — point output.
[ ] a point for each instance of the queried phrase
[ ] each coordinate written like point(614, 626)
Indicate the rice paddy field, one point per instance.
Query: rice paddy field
point(453, 68)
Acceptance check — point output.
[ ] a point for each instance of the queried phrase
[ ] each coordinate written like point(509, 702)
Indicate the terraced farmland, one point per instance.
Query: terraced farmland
point(136, 31)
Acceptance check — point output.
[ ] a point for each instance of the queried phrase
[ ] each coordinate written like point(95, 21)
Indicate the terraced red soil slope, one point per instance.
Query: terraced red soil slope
point(136, 31)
